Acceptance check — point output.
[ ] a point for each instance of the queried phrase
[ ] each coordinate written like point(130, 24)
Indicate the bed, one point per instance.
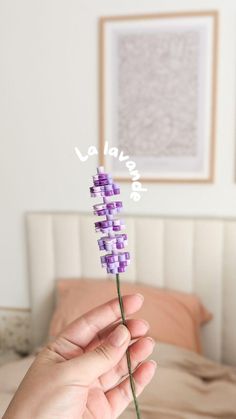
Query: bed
point(191, 255)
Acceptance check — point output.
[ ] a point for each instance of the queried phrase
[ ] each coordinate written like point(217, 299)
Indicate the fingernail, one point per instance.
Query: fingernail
point(153, 362)
point(146, 324)
point(140, 296)
point(119, 336)
point(151, 340)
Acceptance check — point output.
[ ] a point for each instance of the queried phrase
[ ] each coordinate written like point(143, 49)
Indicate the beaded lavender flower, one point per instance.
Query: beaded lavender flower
point(114, 241)
point(116, 261)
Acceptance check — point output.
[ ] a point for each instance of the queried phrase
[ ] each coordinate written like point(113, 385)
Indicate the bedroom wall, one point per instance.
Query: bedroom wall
point(48, 105)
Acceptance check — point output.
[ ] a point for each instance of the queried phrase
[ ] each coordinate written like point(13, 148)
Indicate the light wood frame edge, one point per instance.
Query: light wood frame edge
point(17, 309)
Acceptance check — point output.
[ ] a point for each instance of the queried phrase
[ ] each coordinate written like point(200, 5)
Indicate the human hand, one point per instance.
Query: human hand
point(83, 373)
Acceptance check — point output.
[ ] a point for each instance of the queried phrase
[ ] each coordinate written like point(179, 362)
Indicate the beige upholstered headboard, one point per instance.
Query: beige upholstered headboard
point(189, 254)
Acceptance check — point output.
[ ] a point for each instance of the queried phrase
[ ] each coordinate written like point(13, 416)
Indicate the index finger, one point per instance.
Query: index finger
point(84, 329)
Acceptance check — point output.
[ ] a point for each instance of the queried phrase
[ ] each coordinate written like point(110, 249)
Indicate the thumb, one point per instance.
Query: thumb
point(91, 365)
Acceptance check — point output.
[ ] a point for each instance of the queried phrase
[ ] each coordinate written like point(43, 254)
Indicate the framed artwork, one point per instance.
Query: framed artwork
point(158, 95)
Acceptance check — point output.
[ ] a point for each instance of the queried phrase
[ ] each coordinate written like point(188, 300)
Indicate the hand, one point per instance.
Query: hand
point(83, 373)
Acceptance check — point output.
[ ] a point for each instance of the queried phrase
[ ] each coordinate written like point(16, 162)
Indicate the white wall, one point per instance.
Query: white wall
point(48, 104)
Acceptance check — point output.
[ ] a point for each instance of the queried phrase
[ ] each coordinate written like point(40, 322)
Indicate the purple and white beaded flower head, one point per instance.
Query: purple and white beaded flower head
point(117, 260)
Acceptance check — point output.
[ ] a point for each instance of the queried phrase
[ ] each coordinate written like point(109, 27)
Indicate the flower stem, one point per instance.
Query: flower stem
point(131, 379)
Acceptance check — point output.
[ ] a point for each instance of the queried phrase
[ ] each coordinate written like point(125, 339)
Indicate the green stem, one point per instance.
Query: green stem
point(131, 379)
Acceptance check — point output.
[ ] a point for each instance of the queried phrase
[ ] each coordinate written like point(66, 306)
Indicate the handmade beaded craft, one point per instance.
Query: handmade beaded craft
point(104, 187)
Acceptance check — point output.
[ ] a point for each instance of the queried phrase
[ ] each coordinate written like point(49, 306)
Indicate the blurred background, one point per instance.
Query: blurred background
point(49, 104)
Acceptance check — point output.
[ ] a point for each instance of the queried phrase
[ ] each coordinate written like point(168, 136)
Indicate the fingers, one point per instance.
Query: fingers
point(63, 349)
point(120, 396)
point(137, 328)
point(139, 351)
point(85, 369)
point(85, 328)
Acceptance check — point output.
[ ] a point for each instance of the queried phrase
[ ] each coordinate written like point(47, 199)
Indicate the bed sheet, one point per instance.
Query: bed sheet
point(186, 386)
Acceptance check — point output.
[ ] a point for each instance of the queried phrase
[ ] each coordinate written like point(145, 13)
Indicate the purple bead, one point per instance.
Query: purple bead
point(101, 182)
point(116, 190)
point(116, 228)
point(111, 205)
point(108, 187)
point(101, 176)
point(110, 259)
point(101, 212)
point(104, 224)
